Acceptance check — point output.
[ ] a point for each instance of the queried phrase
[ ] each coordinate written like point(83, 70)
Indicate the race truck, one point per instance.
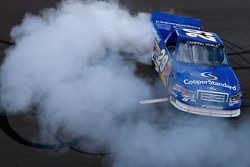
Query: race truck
point(194, 67)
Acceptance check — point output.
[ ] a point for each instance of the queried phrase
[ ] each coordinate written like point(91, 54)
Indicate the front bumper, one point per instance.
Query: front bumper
point(204, 111)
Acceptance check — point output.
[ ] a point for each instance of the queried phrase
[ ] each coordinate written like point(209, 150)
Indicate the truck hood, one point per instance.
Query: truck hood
point(197, 77)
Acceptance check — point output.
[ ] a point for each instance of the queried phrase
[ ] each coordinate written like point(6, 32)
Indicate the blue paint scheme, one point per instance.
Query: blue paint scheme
point(171, 30)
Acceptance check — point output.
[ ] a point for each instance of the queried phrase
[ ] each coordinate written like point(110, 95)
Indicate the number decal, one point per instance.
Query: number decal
point(202, 34)
point(162, 59)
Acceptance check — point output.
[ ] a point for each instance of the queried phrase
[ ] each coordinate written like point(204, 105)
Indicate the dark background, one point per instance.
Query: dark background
point(230, 19)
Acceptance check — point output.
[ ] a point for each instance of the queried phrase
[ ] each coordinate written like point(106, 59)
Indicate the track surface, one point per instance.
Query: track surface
point(230, 19)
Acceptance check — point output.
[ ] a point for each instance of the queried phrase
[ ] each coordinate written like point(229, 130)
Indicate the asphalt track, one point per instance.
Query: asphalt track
point(230, 19)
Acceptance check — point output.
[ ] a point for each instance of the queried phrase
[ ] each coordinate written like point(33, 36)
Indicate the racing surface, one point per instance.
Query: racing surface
point(229, 19)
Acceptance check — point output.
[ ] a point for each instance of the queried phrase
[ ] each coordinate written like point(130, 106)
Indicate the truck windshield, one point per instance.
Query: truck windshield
point(202, 54)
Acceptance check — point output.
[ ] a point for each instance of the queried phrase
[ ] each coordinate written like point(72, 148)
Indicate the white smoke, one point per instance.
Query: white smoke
point(76, 46)
point(70, 62)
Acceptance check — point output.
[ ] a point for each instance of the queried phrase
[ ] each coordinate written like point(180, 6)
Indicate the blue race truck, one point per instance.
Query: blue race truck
point(193, 65)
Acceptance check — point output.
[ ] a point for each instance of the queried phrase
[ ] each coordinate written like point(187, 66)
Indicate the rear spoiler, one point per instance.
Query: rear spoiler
point(188, 22)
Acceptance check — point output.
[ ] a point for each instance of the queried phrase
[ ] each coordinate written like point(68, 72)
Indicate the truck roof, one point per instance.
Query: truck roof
point(186, 28)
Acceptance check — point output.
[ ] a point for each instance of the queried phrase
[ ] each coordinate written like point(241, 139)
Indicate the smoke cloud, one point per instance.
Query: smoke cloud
point(71, 63)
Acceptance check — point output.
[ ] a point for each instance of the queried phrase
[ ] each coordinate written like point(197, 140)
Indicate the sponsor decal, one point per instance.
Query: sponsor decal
point(200, 34)
point(176, 24)
point(211, 80)
point(203, 44)
point(209, 76)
